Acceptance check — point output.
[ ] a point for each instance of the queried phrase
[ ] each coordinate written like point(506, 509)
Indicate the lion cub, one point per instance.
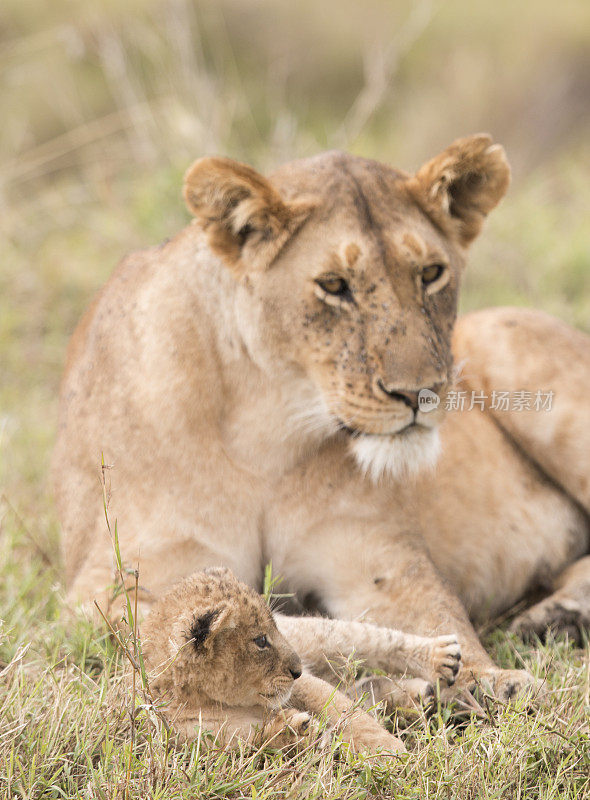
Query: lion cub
point(218, 660)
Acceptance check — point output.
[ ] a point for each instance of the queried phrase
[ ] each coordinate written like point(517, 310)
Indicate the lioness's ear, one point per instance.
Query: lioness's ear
point(204, 626)
point(459, 187)
point(247, 220)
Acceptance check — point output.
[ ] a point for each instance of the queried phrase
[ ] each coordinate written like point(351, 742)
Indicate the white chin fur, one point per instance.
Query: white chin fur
point(280, 699)
point(397, 456)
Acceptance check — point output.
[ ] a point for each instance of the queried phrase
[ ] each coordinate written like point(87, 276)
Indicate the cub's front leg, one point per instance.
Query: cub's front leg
point(230, 725)
point(322, 641)
point(361, 730)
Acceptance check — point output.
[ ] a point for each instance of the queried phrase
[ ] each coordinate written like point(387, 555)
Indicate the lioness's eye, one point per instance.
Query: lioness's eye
point(335, 286)
point(261, 642)
point(432, 273)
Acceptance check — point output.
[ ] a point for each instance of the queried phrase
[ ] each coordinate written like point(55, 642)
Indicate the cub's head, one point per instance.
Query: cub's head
point(212, 638)
point(347, 276)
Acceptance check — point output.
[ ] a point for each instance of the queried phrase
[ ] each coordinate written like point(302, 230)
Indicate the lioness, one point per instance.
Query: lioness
point(254, 382)
point(219, 661)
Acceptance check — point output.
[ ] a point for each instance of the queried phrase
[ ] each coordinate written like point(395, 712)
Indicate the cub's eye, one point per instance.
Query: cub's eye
point(432, 273)
point(334, 286)
point(261, 642)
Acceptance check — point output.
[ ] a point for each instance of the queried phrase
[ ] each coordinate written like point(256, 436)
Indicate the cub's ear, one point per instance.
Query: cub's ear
point(206, 625)
point(247, 220)
point(459, 187)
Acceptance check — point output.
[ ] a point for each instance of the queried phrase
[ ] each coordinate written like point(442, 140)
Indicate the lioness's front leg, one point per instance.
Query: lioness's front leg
point(406, 591)
point(566, 610)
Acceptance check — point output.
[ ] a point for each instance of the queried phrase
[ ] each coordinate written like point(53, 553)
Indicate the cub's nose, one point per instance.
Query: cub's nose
point(294, 666)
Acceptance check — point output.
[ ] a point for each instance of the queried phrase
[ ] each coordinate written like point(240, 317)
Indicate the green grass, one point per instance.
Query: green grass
point(65, 728)
point(104, 105)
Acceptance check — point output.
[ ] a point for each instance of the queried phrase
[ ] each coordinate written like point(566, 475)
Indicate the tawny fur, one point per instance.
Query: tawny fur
point(228, 390)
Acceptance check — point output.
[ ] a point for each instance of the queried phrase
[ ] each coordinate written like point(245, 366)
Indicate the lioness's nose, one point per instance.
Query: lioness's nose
point(295, 673)
point(407, 396)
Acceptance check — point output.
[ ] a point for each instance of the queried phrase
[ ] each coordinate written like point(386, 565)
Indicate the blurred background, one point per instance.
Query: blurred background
point(105, 103)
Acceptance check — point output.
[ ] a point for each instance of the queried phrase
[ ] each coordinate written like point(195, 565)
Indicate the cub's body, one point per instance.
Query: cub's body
point(219, 662)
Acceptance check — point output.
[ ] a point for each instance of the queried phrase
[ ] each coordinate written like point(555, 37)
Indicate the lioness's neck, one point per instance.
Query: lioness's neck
point(266, 422)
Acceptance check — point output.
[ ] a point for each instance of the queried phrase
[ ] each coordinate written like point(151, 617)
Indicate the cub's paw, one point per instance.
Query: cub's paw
point(287, 727)
point(300, 722)
point(364, 733)
point(446, 658)
point(396, 693)
point(382, 741)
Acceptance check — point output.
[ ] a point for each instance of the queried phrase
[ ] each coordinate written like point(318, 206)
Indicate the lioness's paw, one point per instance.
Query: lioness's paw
point(566, 616)
point(509, 684)
point(446, 658)
point(504, 685)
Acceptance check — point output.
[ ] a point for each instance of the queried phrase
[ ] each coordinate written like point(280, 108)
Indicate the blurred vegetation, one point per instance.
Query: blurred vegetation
point(104, 104)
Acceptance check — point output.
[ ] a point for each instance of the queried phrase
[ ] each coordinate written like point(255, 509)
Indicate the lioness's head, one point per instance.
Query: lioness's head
point(213, 638)
point(348, 275)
